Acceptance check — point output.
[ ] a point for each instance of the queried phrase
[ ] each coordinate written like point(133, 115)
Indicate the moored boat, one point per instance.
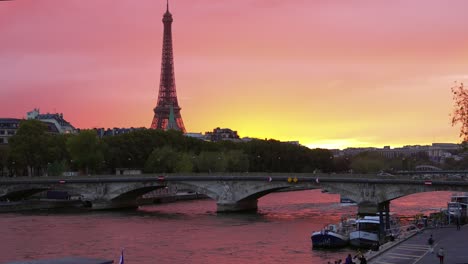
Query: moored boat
point(366, 234)
point(333, 236)
point(457, 208)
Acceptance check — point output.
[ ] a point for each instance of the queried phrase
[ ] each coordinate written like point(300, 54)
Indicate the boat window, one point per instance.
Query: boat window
point(372, 227)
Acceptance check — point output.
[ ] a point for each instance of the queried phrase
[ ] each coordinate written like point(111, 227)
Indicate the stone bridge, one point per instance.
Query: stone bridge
point(239, 192)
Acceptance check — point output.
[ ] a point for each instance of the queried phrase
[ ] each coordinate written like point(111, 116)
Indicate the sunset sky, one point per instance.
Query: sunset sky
point(331, 74)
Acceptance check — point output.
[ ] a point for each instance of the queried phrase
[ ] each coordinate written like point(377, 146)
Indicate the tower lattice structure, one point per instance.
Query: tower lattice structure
point(167, 111)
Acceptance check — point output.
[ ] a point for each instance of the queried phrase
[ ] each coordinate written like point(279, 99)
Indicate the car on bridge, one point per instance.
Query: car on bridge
point(385, 174)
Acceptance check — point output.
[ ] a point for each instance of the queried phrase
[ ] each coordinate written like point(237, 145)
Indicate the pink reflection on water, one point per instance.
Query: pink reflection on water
point(192, 232)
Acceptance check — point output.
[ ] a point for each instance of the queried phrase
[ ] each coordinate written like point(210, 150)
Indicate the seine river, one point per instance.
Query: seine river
point(192, 231)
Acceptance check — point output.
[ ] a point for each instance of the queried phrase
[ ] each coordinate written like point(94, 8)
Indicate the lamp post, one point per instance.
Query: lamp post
point(48, 169)
point(13, 169)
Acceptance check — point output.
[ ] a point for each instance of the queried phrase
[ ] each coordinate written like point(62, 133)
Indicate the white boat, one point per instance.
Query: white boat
point(333, 236)
point(457, 207)
point(367, 232)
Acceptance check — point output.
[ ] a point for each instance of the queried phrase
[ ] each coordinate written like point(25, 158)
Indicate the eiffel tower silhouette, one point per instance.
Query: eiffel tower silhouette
point(167, 111)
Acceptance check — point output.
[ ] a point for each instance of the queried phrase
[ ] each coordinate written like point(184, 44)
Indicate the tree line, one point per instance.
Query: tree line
point(35, 152)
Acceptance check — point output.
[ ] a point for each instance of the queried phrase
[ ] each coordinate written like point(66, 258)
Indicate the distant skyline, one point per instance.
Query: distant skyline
point(330, 74)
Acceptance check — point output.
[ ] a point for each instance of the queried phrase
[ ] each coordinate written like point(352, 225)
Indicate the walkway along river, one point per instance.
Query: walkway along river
point(192, 231)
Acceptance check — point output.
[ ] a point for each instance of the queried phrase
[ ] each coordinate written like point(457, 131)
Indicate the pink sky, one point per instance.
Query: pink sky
point(326, 73)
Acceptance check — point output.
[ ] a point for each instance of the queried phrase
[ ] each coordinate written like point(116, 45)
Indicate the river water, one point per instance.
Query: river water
point(192, 231)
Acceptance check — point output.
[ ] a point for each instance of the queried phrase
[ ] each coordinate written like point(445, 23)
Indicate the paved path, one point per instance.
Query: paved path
point(415, 250)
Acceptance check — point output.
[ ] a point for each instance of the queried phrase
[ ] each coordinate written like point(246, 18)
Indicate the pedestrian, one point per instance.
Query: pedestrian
point(349, 259)
point(363, 260)
point(430, 241)
point(441, 255)
point(458, 223)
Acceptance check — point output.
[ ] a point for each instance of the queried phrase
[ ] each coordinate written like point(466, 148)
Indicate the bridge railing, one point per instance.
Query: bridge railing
point(292, 178)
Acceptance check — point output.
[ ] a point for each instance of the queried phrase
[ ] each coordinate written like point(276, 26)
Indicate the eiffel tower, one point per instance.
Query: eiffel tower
point(167, 111)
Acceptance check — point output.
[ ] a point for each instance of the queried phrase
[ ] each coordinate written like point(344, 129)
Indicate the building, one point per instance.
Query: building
point(436, 152)
point(55, 123)
point(219, 134)
point(8, 127)
point(196, 135)
point(102, 132)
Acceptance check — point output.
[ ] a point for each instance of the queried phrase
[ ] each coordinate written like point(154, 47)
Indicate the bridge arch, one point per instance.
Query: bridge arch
point(20, 192)
point(371, 195)
point(234, 195)
point(427, 168)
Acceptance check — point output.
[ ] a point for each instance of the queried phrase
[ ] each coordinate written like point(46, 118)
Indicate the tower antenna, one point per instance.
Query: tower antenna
point(167, 5)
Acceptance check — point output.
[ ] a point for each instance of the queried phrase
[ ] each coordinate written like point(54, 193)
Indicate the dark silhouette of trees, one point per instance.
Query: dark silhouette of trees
point(460, 111)
point(152, 151)
point(29, 147)
point(4, 159)
point(165, 159)
point(86, 150)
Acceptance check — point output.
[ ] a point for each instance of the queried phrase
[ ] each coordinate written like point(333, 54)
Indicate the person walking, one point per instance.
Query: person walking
point(458, 223)
point(363, 260)
point(441, 255)
point(349, 259)
point(430, 241)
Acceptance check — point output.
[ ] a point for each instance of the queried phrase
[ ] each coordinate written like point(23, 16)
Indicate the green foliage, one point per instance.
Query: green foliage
point(210, 161)
point(29, 147)
point(86, 150)
point(161, 151)
point(4, 157)
point(56, 168)
point(236, 161)
point(367, 162)
point(185, 163)
point(164, 159)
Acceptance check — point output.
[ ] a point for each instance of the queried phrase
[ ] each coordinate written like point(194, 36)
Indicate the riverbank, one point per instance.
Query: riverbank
point(50, 204)
point(415, 249)
point(38, 204)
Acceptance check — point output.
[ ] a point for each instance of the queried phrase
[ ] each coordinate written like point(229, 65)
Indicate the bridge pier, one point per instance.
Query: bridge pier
point(109, 205)
point(242, 205)
point(368, 209)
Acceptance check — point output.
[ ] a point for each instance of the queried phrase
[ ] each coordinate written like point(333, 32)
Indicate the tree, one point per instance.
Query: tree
point(167, 160)
point(29, 146)
point(210, 161)
point(368, 162)
point(86, 150)
point(460, 111)
point(4, 155)
point(237, 161)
